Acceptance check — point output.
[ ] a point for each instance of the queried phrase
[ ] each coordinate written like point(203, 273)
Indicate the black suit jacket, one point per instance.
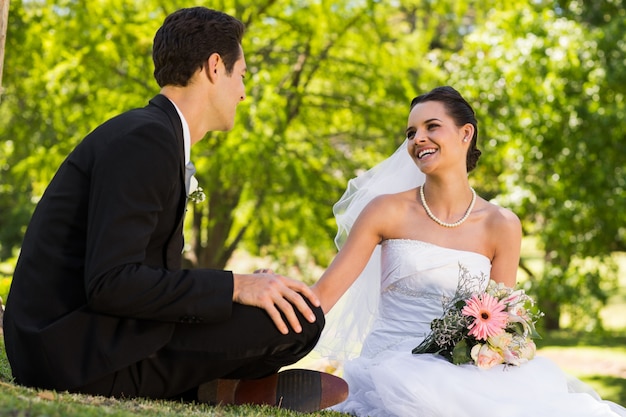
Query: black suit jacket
point(98, 284)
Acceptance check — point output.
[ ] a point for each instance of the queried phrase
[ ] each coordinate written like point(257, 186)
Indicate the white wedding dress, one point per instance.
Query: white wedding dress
point(388, 380)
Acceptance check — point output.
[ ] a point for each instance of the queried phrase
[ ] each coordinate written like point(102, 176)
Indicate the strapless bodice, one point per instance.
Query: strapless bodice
point(416, 279)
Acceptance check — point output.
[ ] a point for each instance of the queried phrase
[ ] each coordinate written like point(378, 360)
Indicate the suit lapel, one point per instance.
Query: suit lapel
point(175, 244)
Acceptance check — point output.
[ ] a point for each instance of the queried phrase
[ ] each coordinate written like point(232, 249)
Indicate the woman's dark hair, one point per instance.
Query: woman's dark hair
point(188, 37)
point(460, 110)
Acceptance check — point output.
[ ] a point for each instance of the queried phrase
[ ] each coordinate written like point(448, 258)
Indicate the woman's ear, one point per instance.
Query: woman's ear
point(468, 132)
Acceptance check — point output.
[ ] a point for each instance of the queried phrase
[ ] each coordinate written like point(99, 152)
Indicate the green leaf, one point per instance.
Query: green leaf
point(461, 353)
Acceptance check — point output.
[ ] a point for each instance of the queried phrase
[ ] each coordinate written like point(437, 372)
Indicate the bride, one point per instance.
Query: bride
point(406, 227)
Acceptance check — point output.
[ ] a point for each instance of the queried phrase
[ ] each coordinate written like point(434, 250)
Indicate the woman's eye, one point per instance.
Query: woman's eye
point(432, 126)
point(410, 135)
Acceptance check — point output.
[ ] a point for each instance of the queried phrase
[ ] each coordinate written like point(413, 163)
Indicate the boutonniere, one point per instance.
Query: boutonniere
point(196, 193)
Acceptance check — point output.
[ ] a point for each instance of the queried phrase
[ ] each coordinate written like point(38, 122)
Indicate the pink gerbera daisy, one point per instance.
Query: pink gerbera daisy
point(489, 316)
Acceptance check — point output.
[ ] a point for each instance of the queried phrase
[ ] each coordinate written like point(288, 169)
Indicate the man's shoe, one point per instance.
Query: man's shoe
point(300, 390)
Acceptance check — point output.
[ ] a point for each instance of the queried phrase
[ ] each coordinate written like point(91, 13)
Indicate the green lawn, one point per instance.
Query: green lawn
point(597, 359)
point(604, 355)
point(25, 402)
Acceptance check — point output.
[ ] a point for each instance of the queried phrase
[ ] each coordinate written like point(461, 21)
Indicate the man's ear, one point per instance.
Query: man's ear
point(211, 68)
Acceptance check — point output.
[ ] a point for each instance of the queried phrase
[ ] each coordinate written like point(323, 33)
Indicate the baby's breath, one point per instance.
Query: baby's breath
point(450, 338)
point(197, 196)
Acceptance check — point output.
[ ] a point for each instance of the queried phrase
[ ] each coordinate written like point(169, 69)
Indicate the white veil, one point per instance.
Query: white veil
point(351, 318)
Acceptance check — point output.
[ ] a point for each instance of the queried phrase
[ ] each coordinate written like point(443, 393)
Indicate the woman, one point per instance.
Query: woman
point(429, 223)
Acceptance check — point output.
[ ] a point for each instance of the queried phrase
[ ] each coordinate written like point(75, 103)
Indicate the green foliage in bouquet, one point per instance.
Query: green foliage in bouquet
point(486, 328)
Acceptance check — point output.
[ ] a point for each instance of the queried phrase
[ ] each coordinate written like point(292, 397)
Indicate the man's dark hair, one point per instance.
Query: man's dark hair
point(460, 110)
point(188, 37)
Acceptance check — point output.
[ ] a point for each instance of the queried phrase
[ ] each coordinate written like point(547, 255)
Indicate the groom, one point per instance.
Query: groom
point(99, 303)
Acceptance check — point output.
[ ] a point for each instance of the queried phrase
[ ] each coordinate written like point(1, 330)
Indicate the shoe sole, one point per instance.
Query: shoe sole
point(300, 390)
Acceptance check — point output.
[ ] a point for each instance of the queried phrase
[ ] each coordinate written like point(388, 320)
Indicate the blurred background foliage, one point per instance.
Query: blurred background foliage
point(328, 90)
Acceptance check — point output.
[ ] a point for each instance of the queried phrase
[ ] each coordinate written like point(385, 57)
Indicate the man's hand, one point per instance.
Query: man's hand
point(275, 294)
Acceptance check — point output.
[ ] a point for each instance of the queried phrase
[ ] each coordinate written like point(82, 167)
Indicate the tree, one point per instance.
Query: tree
point(4, 18)
point(284, 172)
point(328, 91)
point(324, 104)
point(555, 110)
point(84, 63)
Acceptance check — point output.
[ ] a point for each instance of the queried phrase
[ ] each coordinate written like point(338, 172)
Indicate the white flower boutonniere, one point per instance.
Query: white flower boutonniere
point(196, 193)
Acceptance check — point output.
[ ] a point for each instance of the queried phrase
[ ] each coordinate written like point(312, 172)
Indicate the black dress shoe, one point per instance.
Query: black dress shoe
point(300, 390)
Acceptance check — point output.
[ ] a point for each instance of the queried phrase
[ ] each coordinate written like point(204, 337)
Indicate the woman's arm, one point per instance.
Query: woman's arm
point(366, 233)
point(506, 231)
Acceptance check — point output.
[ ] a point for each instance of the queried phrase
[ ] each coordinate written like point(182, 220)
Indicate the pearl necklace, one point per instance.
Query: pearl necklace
point(442, 223)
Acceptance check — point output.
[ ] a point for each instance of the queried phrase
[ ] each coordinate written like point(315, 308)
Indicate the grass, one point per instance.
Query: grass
point(601, 350)
point(20, 401)
point(599, 359)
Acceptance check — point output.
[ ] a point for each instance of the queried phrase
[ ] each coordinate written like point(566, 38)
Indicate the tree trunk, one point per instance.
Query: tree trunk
point(4, 22)
point(552, 317)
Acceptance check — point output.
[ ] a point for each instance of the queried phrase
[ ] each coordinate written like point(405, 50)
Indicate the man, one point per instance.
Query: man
point(99, 303)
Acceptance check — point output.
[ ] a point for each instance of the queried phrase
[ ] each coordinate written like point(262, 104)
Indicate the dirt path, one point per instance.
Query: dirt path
point(585, 363)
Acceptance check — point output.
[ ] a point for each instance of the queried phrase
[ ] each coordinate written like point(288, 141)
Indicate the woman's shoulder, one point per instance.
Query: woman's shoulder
point(385, 209)
point(501, 218)
point(394, 201)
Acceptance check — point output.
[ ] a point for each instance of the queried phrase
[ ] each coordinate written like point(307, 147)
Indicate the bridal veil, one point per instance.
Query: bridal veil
point(350, 319)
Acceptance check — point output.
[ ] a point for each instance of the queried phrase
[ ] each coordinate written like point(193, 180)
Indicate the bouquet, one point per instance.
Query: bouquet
point(495, 326)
